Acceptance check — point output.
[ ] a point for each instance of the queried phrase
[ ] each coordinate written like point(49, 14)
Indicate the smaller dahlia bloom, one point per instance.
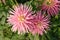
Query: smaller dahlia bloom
point(41, 23)
point(52, 7)
point(19, 18)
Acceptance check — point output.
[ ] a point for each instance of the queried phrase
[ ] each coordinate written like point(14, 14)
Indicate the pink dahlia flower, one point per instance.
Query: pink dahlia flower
point(20, 17)
point(51, 6)
point(41, 23)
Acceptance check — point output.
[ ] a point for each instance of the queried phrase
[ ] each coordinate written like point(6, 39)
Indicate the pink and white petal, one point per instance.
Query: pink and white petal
point(14, 28)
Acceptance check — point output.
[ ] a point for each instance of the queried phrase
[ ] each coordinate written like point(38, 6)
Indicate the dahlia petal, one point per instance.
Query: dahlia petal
point(14, 28)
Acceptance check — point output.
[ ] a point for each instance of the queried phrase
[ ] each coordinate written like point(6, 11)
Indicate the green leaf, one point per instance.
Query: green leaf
point(1, 35)
point(3, 19)
point(56, 16)
point(43, 37)
point(1, 27)
point(36, 37)
point(6, 38)
point(18, 37)
point(0, 14)
point(31, 37)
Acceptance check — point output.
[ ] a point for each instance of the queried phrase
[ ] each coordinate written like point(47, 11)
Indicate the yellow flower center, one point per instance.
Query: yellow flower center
point(21, 18)
point(50, 2)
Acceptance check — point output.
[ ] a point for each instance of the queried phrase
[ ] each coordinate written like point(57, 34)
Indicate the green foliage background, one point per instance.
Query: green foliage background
point(5, 28)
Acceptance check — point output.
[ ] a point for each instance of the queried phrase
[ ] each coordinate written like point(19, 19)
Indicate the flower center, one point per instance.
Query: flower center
point(38, 24)
point(21, 18)
point(50, 2)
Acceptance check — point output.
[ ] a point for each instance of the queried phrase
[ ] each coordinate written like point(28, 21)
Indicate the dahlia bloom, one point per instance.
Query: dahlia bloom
point(52, 7)
point(41, 23)
point(19, 18)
